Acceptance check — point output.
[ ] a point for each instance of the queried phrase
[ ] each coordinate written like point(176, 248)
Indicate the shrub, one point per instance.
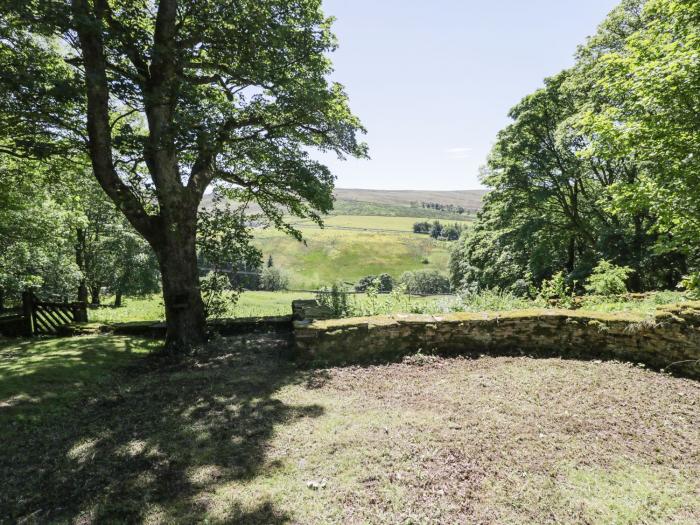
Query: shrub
point(608, 279)
point(691, 284)
point(217, 294)
point(421, 227)
point(384, 283)
point(436, 230)
point(335, 298)
point(272, 279)
point(425, 282)
point(555, 288)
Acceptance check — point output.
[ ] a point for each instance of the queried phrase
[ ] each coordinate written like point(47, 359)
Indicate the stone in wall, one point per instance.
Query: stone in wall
point(670, 340)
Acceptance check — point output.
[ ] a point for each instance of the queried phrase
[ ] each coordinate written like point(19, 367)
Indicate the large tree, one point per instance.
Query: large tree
point(648, 87)
point(171, 97)
point(601, 163)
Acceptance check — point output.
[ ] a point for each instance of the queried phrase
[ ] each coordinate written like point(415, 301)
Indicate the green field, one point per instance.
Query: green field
point(373, 222)
point(261, 304)
point(250, 304)
point(337, 253)
point(395, 210)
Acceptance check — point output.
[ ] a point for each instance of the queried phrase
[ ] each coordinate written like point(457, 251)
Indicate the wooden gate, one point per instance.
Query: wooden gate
point(47, 318)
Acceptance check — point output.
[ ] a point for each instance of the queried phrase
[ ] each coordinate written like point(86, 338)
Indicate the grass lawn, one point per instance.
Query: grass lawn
point(260, 304)
point(93, 431)
point(250, 304)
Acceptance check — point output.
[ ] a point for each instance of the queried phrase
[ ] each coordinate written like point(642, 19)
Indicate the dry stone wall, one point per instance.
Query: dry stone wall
point(670, 340)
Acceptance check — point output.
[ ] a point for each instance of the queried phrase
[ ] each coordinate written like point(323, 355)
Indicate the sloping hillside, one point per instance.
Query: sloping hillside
point(399, 203)
point(468, 199)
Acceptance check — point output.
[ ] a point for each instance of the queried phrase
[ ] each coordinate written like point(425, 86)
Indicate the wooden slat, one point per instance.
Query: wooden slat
point(47, 320)
point(41, 326)
point(50, 316)
point(60, 313)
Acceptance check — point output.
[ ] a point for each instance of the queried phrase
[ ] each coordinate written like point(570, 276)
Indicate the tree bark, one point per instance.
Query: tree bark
point(2, 300)
point(118, 299)
point(571, 255)
point(184, 308)
point(637, 251)
point(82, 292)
point(171, 233)
point(80, 261)
point(95, 295)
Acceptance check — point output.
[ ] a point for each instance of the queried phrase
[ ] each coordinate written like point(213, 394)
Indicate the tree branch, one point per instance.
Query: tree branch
point(99, 130)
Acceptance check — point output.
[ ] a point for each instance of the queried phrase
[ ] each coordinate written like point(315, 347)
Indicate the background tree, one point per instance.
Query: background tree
point(576, 177)
point(177, 96)
point(36, 232)
point(648, 85)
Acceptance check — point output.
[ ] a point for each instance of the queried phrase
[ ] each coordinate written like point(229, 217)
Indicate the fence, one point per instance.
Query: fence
point(42, 317)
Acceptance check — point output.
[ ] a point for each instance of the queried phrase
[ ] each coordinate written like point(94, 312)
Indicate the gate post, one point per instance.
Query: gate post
point(28, 313)
point(80, 314)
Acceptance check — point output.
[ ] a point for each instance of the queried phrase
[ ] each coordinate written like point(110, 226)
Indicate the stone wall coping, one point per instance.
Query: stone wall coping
point(664, 313)
point(457, 317)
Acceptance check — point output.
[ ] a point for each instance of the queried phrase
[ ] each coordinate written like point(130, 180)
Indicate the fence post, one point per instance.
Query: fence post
point(28, 312)
point(80, 314)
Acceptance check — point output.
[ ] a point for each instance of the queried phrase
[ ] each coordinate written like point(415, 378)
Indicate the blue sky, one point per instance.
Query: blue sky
point(433, 80)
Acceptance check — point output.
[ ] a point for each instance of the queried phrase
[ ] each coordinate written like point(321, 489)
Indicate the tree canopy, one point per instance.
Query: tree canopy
point(600, 164)
point(169, 98)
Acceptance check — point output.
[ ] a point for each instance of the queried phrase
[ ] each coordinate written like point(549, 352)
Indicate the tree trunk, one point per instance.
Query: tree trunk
point(635, 281)
point(95, 295)
point(2, 300)
point(571, 255)
point(82, 292)
point(118, 299)
point(80, 261)
point(184, 308)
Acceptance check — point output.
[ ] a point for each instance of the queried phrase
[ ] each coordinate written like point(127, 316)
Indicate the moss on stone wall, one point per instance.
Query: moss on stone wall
point(670, 340)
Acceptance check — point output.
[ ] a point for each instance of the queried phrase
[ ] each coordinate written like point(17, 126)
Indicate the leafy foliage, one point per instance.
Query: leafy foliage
point(425, 282)
point(168, 99)
point(691, 283)
point(273, 279)
point(336, 299)
point(217, 294)
point(383, 283)
point(599, 164)
point(557, 288)
point(608, 279)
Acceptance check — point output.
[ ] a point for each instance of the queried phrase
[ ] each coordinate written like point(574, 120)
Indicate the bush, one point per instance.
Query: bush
point(436, 230)
point(273, 279)
point(335, 298)
point(608, 279)
point(421, 227)
point(383, 283)
point(425, 282)
point(217, 294)
point(691, 284)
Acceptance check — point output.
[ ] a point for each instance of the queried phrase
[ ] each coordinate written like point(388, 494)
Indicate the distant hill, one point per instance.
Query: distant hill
point(468, 199)
point(398, 203)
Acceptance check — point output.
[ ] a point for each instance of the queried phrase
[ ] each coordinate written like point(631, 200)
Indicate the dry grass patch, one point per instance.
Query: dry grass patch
point(236, 434)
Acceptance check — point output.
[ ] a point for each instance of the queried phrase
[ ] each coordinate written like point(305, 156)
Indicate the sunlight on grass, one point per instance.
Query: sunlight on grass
point(627, 495)
point(42, 375)
point(235, 434)
point(262, 304)
point(249, 304)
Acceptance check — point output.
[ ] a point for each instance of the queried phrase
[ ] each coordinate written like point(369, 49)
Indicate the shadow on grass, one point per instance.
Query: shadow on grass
point(157, 442)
